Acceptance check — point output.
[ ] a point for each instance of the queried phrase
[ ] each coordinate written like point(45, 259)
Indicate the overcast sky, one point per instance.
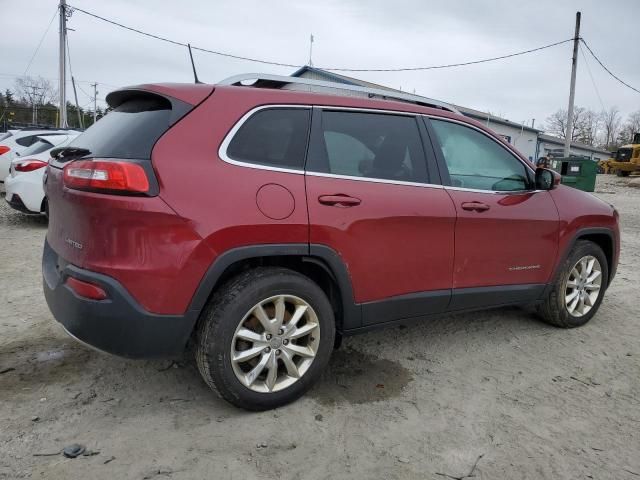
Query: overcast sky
point(348, 33)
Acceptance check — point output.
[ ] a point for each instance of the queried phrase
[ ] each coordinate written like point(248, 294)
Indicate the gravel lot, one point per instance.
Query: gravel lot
point(496, 390)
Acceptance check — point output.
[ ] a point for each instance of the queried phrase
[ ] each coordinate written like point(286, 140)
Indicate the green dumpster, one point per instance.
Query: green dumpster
point(577, 172)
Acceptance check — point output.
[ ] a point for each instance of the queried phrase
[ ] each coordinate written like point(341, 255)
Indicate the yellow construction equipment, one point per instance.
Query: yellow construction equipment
point(625, 161)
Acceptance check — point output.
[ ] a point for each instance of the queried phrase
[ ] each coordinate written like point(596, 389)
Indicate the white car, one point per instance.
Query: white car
point(15, 141)
point(24, 183)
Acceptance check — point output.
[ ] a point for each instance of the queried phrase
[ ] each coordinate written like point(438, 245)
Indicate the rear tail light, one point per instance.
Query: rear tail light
point(86, 289)
point(98, 175)
point(28, 165)
point(4, 149)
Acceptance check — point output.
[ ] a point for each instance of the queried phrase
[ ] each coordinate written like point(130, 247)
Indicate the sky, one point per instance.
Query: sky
point(347, 33)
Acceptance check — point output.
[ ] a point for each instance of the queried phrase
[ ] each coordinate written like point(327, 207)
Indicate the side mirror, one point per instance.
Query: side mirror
point(547, 179)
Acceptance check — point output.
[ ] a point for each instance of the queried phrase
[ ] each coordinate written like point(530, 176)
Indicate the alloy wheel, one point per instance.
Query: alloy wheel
point(275, 343)
point(583, 286)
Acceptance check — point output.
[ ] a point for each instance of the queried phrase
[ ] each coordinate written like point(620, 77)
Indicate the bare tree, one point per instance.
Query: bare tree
point(630, 127)
point(611, 122)
point(36, 90)
point(588, 127)
point(557, 123)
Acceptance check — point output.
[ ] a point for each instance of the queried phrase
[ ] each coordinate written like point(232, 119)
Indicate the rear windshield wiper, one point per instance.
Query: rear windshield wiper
point(66, 153)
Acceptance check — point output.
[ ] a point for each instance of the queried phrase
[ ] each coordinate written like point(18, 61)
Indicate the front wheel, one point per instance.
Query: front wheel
point(578, 289)
point(265, 338)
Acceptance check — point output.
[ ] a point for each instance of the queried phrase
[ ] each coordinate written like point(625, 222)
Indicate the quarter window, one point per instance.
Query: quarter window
point(369, 145)
point(275, 137)
point(475, 161)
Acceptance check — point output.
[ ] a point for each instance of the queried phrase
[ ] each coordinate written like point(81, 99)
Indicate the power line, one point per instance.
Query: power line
point(40, 42)
point(174, 42)
point(335, 69)
point(450, 65)
point(591, 76)
point(607, 70)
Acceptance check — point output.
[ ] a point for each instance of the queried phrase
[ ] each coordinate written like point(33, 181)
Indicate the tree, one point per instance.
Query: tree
point(557, 123)
point(8, 96)
point(631, 126)
point(36, 90)
point(611, 126)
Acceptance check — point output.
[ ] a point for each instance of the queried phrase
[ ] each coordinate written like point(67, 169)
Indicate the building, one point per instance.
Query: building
point(531, 142)
point(553, 146)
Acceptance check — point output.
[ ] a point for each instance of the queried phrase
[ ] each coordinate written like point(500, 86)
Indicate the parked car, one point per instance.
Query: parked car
point(24, 183)
point(13, 142)
point(261, 225)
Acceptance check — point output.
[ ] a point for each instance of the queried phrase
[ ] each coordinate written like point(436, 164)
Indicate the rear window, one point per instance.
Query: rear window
point(27, 141)
point(38, 147)
point(128, 131)
point(5, 135)
point(275, 137)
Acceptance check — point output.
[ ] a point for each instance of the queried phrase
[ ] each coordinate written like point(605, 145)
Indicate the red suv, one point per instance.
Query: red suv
point(262, 223)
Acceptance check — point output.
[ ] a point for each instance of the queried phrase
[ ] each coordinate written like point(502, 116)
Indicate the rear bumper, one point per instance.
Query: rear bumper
point(117, 325)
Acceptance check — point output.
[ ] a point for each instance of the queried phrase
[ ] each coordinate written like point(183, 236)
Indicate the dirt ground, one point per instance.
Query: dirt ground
point(487, 395)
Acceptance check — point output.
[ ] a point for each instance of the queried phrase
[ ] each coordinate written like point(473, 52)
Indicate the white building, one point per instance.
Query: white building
point(531, 142)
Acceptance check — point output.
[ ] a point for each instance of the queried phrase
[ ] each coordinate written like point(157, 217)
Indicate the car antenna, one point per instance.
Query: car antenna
point(193, 65)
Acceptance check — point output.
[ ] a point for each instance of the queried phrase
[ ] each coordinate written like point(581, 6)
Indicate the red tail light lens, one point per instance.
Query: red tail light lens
point(28, 165)
point(4, 149)
point(86, 289)
point(99, 175)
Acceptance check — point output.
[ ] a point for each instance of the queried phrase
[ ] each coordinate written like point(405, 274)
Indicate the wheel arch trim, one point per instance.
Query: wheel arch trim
point(581, 234)
point(323, 255)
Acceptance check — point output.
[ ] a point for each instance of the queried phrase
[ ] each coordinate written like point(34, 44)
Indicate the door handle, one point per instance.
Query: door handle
point(475, 206)
point(339, 200)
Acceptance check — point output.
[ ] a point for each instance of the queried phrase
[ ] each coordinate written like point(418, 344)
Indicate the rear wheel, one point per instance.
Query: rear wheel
point(264, 338)
point(622, 173)
point(577, 292)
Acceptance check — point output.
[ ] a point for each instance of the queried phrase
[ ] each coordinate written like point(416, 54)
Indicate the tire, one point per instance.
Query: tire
point(555, 309)
point(232, 313)
point(622, 173)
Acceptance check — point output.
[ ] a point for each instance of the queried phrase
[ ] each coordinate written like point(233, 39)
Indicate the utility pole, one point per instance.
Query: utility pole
point(310, 50)
point(63, 63)
point(572, 88)
point(75, 94)
point(34, 103)
point(95, 98)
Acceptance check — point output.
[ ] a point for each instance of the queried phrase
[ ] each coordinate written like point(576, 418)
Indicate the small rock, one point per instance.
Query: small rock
point(403, 459)
point(43, 399)
point(261, 445)
point(74, 450)
point(35, 418)
point(318, 417)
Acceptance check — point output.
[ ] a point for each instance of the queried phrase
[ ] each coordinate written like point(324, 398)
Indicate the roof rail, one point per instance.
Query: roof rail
point(266, 80)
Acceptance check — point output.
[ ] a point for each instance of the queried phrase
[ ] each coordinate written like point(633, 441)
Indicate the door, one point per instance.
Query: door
point(506, 232)
point(370, 199)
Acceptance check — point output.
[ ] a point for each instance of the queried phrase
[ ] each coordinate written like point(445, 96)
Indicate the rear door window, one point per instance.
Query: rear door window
point(275, 137)
point(368, 145)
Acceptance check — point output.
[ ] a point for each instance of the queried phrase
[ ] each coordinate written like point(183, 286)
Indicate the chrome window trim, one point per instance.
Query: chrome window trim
point(222, 151)
point(492, 192)
point(374, 180)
